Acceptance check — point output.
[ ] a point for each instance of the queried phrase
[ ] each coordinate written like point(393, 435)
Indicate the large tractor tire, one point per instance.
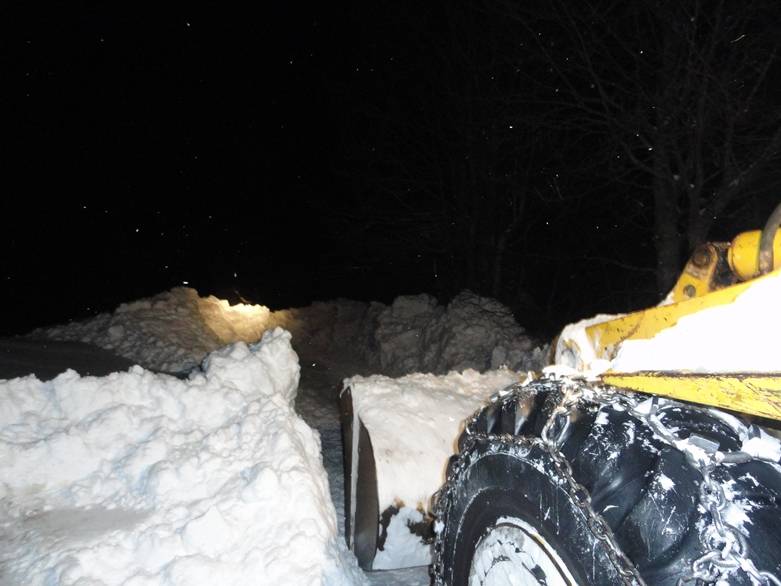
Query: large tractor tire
point(605, 492)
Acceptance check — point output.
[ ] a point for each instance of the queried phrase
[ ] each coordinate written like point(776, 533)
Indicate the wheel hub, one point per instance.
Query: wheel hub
point(513, 553)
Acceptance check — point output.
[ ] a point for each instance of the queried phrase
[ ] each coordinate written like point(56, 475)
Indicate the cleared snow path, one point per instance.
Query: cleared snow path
point(318, 404)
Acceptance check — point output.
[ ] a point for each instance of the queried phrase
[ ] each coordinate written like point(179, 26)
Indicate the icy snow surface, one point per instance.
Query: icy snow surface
point(138, 478)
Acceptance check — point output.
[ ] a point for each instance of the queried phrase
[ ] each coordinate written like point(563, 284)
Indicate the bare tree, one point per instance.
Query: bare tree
point(681, 94)
point(445, 163)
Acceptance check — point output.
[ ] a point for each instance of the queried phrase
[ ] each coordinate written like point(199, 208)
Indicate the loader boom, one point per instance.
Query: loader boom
point(716, 275)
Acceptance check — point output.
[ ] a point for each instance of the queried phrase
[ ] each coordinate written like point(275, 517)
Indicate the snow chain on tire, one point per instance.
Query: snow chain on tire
point(724, 545)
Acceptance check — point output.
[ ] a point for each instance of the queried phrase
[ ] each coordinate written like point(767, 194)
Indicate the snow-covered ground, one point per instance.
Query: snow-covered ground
point(224, 475)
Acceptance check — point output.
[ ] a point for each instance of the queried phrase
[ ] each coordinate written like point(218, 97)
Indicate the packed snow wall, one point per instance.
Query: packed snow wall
point(143, 479)
point(415, 334)
point(173, 332)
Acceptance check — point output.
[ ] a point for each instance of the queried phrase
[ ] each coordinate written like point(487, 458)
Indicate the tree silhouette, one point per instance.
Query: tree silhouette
point(558, 155)
point(681, 94)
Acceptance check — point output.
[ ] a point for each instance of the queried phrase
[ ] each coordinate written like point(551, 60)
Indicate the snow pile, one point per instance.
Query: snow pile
point(333, 326)
point(175, 330)
point(736, 337)
point(170, 332)
point(143, 479)
point(415, 334)
point(574, 352)
point(414, 423)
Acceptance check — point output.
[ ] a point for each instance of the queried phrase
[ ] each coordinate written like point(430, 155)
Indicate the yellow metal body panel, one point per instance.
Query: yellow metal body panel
point(697, 289)
point(747, 393)
point(641, 325)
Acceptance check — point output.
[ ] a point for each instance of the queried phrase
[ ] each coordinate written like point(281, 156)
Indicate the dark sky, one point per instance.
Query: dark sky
point(156, 147)
point(287, 152)
point(209, 145)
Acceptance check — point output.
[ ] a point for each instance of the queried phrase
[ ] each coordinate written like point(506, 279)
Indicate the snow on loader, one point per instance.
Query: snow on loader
point(623, 470)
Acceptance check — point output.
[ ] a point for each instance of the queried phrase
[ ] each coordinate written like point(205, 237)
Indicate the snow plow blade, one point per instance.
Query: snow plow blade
point(361, 521)
point(398, 437)
point(366, 527)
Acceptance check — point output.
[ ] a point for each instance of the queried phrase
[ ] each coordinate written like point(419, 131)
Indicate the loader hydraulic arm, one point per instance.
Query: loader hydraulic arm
point(716, 275)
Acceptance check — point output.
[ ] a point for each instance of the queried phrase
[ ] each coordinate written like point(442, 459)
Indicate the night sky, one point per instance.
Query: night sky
point(223, 148)
point(152, 149)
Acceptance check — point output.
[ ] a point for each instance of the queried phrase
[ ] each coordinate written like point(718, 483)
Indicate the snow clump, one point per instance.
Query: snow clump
point(175, 330)
point(142, 479)
point(414, 422)
point(171, 332)
point(415, 334)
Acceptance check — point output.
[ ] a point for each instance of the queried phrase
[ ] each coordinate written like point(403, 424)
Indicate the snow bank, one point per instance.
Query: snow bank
point(737, 337)
point(415, 334)
point(414, 422)
point(175, 330)
point(142, 479)
point(170, 332)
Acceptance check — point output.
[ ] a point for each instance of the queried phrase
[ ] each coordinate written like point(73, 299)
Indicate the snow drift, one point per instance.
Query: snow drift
point(173, 332)
point(142, 479)
point(170, 332)
point(415, 334)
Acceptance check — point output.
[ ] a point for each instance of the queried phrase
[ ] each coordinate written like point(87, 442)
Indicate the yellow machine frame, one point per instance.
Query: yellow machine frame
point(716, 275)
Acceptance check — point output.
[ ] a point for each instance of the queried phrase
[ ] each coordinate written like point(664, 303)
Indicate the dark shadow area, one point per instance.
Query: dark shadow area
point(47, 359)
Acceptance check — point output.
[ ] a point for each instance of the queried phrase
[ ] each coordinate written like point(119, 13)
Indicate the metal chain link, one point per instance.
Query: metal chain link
point(726, 545)
point(553, 429)
point(558, 422)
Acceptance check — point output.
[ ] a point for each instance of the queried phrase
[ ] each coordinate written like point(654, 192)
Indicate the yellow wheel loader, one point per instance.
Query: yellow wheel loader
point(640, 457)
